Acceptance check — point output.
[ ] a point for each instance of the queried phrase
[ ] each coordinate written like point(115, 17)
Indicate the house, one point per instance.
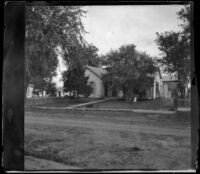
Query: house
point(169, 86)
point(161, 86)
point(32, 93)
point(95, 75)
point(155, 90)
point(60, 92)
point(29, 91)
point(100, 89)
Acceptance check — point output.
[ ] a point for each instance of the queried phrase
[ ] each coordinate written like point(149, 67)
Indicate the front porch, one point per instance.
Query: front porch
point(151, 92)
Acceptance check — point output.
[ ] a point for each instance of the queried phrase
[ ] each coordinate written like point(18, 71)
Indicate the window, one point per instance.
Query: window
point(92, 84)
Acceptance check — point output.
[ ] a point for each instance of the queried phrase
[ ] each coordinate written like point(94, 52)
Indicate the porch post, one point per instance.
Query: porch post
point(154, 89)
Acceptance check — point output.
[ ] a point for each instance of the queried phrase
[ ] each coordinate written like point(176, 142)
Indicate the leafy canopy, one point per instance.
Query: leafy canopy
point(84, 54)
point(48, 27)
point(175, 49)
point(128, 67)
point(75, 81)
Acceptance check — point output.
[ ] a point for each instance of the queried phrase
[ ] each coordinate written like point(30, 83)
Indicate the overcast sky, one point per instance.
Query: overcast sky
point(109, 27)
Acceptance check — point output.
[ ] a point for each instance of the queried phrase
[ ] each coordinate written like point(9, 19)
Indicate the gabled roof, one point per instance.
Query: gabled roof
point(154, 74)
point(31, 85)
point(169, 78)
point(96, 70)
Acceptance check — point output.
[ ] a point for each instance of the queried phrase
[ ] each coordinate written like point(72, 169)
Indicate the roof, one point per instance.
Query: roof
point(31, 85)
point(154, 74)
point(59, 88)
point(169, 78)
point(97, 70)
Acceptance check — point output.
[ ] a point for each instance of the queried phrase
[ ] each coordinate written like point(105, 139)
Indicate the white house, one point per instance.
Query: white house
point(29, 92)
point(169, 86)
point(60, 92)
point(100, 90)
point(161, 86)
point(155, 90)
point(95, 80)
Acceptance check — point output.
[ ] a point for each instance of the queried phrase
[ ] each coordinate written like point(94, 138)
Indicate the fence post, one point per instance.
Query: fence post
point(175, 103)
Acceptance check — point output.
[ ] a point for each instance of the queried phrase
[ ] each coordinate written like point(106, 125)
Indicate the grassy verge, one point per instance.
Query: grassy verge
point(158, 104)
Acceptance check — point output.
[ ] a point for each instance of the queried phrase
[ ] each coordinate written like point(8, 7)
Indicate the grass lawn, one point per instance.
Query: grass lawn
point(158, 104)
point(63, 103)
point(109, 140)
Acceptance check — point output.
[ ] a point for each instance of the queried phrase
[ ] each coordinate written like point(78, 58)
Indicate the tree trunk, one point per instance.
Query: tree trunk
point(130, 92)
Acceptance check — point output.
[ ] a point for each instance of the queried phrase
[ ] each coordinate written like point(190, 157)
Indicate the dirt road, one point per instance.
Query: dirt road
point(106, 125)
point(107, 140)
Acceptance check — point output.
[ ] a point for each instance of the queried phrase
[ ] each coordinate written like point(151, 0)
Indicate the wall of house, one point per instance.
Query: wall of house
point(159, 81)
point(149, 92)
point(164, 91)
point(29, 92)
point(98, 88)
point(167, 89)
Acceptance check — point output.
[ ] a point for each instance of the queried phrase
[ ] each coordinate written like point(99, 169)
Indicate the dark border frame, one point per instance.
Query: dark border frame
point(13, 77)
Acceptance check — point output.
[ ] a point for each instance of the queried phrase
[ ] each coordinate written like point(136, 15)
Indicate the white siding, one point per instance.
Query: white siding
point(98, 90)
point(29, 93)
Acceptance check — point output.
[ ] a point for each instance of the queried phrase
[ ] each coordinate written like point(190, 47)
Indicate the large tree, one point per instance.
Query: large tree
point(48, 27)
point(75, 81)
point(86, 54)
point(130, 68)
point(175, 50)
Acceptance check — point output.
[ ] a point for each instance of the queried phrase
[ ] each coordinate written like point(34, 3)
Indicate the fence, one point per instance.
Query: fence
point(46, 100)
point(183, 102)
point(38, 101)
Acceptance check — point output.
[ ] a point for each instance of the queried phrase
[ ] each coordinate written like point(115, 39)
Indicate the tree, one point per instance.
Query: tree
point(85, 54)
point(75, 81)
point(51, 89)
point(46, 28)
point(90, 56)
point(175, 48)
point(129, 68)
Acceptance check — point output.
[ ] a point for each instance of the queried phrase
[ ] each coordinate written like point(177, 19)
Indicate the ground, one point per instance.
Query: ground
point(108, 140)
point(158, 104)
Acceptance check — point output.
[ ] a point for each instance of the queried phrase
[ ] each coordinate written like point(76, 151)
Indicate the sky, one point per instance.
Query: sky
point(109, 27)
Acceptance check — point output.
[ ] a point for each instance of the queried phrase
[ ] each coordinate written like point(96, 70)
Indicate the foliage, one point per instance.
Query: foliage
point(129, 68)
point(46, 28)
point(84, 54)
point(90, 56)
point(51, 89)
point(175, 48)
point(75, 81)
point(76, 58)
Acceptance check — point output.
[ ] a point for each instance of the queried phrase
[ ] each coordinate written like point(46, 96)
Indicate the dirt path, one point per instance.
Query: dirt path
point(106, 126)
